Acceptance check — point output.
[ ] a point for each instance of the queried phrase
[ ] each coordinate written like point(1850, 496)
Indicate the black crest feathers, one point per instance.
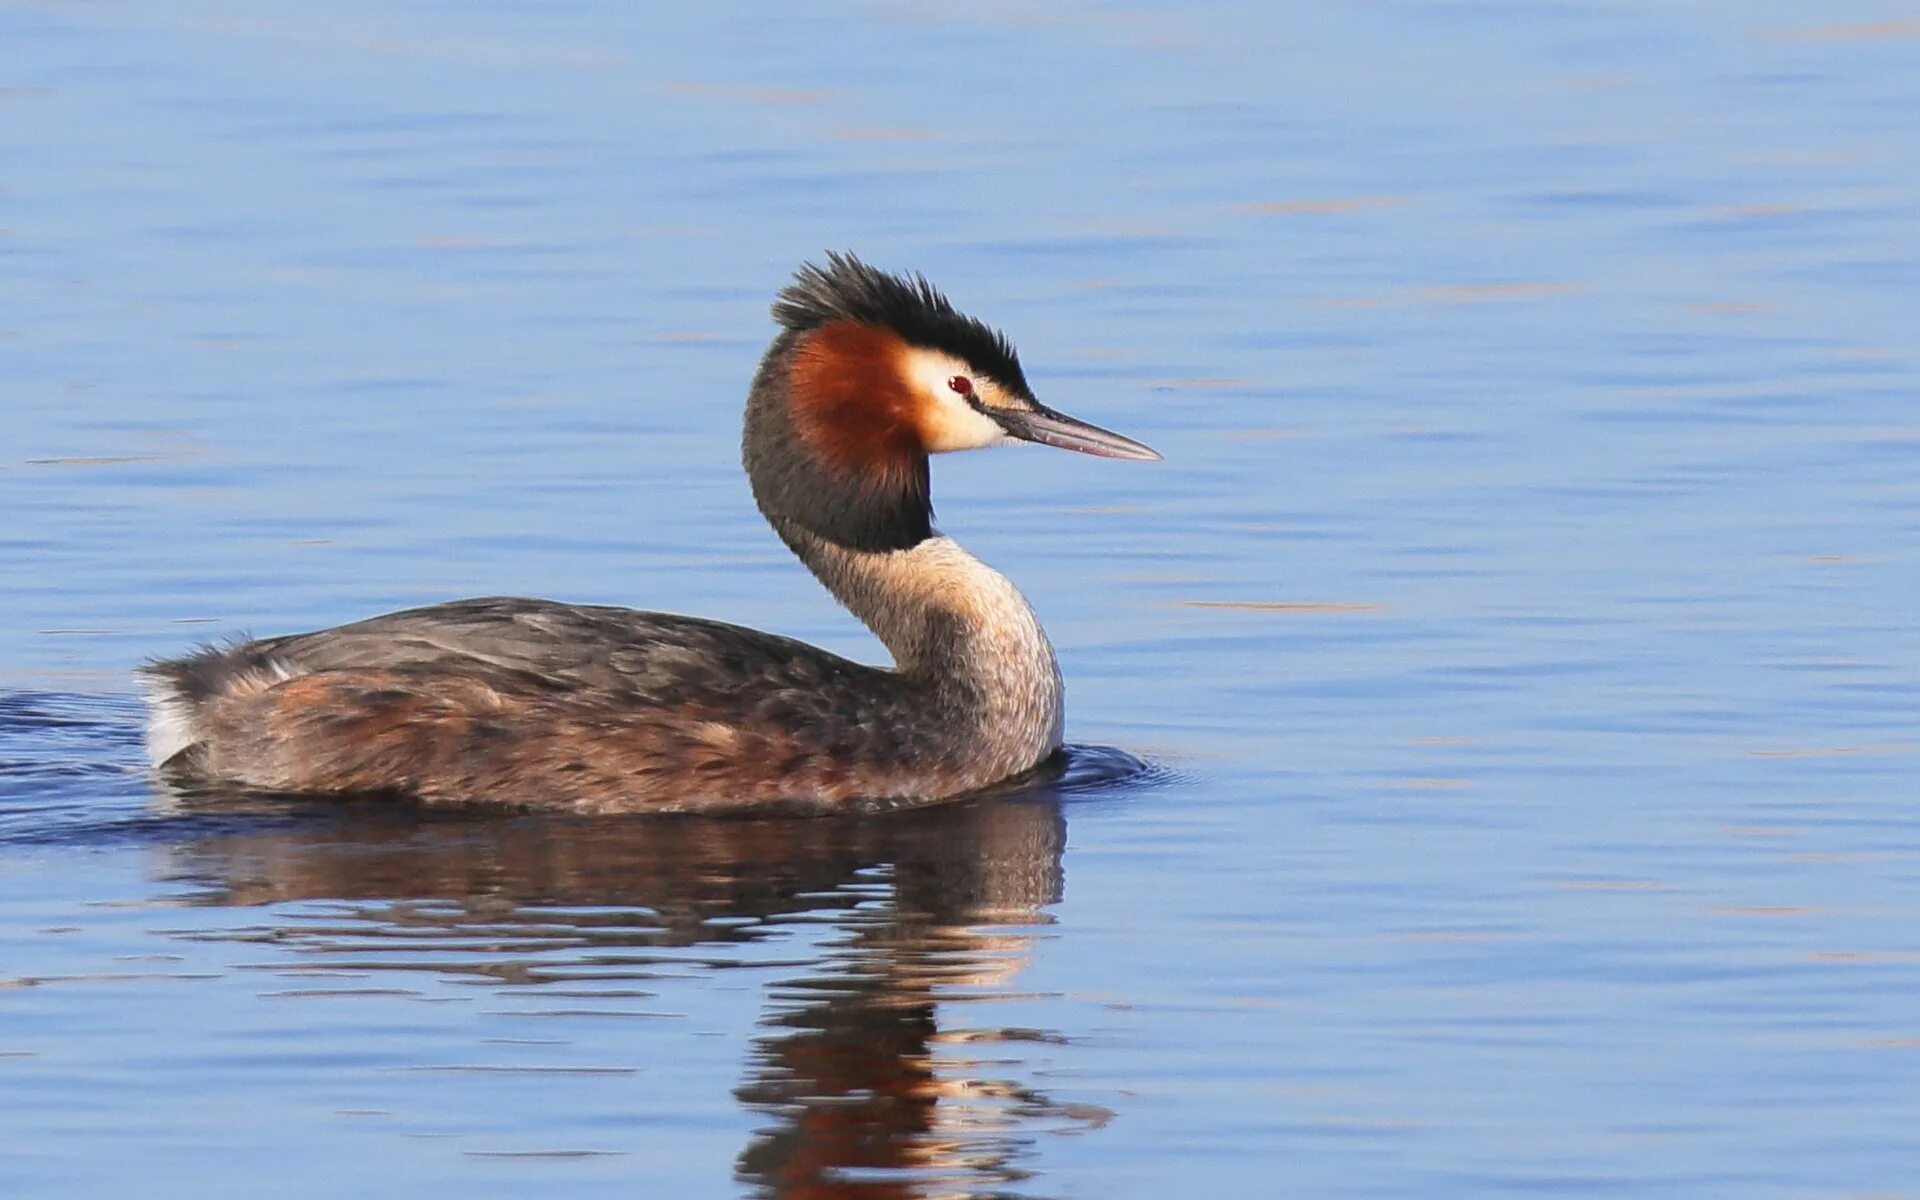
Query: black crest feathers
point(847, 289)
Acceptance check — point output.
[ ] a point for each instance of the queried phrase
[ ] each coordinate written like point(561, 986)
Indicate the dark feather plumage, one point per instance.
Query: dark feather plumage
point(847, 289)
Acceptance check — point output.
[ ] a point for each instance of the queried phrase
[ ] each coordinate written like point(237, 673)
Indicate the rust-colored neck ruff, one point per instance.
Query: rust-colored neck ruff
point(850, 401)
point(831, 444)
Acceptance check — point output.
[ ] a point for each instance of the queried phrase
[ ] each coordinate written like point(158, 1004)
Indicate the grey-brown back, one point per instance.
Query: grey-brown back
point(537, 702)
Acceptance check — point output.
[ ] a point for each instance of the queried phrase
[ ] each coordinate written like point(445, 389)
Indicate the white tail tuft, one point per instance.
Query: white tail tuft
point(171, 730)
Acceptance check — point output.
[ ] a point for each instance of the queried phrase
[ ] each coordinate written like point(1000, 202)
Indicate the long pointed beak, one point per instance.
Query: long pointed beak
point(1049, 428)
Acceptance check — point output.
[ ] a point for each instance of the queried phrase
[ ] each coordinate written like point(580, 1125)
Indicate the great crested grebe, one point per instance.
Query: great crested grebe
point(596, 709)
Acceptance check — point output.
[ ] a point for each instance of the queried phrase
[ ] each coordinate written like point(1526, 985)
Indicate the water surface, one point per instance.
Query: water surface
point(1520, 633)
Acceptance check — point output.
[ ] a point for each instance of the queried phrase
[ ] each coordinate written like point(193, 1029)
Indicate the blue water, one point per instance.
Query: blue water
point(1520, 635)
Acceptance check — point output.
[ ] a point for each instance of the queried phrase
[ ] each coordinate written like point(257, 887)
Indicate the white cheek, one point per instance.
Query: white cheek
point(959, 426)
point(947, 421)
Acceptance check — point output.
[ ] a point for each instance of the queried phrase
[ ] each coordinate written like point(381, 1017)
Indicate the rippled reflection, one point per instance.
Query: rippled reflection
point(870, 1082)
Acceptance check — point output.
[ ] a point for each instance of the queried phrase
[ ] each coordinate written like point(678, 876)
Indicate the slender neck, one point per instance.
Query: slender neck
point(927, 604)
point(952, 624)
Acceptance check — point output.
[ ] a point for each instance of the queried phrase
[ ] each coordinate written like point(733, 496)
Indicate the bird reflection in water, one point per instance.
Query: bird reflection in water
point(871, 1088)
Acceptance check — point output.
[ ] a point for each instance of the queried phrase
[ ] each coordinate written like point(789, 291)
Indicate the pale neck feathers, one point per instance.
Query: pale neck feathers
point(952, 621)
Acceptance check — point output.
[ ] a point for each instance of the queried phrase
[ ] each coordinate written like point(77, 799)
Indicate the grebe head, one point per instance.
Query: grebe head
point(871, 373)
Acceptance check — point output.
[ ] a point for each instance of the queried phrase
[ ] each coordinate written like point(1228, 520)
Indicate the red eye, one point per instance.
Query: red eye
point(961, 385)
